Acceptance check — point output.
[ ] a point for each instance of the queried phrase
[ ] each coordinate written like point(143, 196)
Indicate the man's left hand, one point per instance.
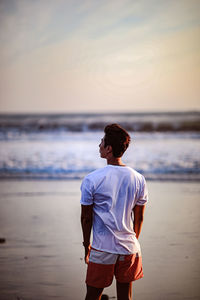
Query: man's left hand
point(87, 253)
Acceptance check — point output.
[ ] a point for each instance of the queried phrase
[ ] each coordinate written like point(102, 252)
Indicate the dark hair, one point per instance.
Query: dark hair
point(118, 138)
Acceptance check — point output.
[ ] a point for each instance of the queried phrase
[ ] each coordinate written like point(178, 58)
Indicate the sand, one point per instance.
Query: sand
point(42, 257)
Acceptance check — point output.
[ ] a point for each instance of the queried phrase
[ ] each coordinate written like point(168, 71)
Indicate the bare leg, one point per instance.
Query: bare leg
point(93, 293)
point(124, 290)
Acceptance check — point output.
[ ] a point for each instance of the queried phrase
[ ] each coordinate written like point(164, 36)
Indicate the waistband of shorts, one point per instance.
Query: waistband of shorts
point(137, 253)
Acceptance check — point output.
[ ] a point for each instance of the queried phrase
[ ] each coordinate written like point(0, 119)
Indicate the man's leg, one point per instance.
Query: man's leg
point(124, 290)
point(93, 293)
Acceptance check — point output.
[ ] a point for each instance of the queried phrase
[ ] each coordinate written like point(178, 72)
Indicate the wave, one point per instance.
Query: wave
point(62, 154)
point(140, 122)
point(79, 176)
point(173, 172)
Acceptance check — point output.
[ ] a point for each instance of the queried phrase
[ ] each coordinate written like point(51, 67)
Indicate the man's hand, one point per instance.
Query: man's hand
point(87, 254)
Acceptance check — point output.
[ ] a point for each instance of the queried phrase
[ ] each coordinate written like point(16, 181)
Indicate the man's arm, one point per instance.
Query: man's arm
point(86, 223)
point(138, 218)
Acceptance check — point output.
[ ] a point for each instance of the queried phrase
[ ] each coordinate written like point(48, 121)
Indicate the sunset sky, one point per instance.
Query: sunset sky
point(108, 55)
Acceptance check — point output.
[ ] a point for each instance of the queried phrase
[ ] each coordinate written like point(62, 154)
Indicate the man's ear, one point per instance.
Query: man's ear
point(109, 149)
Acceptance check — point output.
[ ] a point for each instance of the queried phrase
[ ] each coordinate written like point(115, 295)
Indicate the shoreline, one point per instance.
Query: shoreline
point(42, 257)
point(162, 178)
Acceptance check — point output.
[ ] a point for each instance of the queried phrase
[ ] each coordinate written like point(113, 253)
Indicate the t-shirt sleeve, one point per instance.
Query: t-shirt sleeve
point(143, 193)
point(87, 189)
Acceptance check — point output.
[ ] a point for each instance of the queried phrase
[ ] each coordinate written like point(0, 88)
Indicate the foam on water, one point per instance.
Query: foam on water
point(147, 122)
point(64, 155)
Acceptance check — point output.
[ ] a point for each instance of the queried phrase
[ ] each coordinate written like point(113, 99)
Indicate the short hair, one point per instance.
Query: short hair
point(118, 138)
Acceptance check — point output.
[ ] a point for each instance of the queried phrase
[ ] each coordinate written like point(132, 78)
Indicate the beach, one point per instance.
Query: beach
point(42, 257)
point(68, 70)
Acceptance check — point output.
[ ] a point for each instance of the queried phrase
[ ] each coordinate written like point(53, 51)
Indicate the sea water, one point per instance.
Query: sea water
point(163, 145)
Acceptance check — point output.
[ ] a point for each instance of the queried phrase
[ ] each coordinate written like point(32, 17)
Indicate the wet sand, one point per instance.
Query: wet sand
point(42, 257)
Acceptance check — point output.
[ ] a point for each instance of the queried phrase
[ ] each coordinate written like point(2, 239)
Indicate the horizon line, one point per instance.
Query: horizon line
point(101, 112)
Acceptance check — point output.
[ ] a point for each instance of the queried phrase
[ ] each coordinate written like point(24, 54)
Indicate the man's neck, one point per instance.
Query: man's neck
point(116, 161)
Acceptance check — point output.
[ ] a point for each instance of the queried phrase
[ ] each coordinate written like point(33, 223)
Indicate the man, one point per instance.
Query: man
point(112, 204)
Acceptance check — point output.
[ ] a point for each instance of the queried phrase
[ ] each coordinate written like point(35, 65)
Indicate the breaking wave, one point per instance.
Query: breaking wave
point(140, 122)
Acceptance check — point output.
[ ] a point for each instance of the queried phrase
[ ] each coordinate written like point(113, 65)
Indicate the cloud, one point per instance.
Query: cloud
point(28, 25)
point(100, 50)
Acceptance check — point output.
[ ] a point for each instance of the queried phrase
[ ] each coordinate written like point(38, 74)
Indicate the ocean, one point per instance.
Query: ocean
point(164, 146)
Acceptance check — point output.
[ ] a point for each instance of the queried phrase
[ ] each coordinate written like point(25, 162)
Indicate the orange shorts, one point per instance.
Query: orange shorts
point(103, 266)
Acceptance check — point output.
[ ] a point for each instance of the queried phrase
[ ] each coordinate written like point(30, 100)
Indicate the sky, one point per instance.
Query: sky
point(99, 56)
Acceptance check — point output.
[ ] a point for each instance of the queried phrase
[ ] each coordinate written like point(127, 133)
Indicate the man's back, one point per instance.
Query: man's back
point(114, 191)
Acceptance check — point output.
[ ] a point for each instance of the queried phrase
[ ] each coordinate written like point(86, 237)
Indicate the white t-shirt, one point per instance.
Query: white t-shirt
point(114, 191)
